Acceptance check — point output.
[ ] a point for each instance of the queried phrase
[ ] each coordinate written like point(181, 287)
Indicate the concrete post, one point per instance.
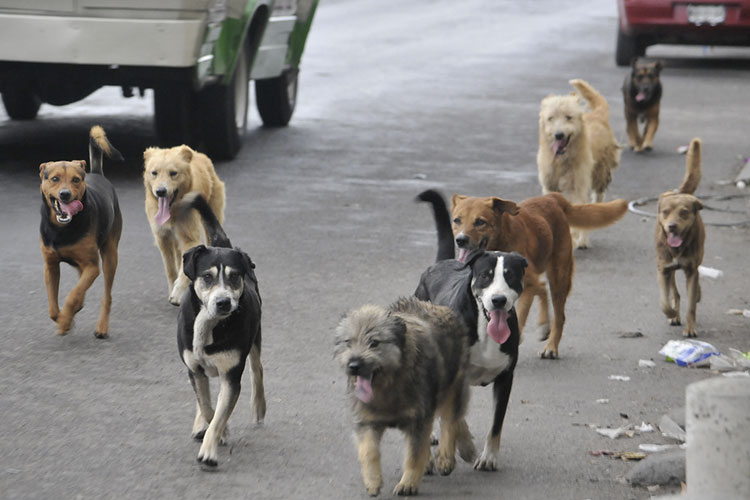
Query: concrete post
point(718, 437)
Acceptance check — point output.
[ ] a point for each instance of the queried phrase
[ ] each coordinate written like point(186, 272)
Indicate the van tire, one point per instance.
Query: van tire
point(175, 116)
point(276, 98)
point(21, 103)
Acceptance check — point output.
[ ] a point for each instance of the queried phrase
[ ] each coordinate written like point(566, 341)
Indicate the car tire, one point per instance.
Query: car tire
point(224, 111)
point(627, 48)
point(276, 98)
point(175, 116)
point(21, 103)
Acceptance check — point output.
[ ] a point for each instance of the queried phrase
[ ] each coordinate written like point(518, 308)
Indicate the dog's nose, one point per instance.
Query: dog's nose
point(672, 228)
point(462, 240)
point(223, 305)
point(499, 301)
point(161, 192)
point(559, 136)
point(65, 195)
point(353, 366)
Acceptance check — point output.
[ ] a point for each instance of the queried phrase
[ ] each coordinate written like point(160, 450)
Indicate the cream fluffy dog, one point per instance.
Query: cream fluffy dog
point(577, 150)
point(168, 175)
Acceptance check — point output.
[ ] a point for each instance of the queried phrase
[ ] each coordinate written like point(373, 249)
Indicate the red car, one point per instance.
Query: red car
point(702, 22)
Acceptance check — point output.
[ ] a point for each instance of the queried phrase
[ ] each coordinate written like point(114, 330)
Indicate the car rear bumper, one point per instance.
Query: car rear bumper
point(87, 40)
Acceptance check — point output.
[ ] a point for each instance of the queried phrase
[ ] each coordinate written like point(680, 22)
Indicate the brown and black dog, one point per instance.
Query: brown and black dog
point(641, 92)
point(679, 237)
point(538, 229)
point(81, 220)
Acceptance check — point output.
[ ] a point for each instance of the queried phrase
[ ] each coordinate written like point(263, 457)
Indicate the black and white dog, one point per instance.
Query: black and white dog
point(483, 290)
point(218, 327)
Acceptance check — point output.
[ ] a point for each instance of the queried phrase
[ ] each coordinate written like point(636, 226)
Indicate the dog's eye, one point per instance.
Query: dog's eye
point(207, 277)
point(549, 119)
point(684, 214)
point(479, 222)
point(76, 180)
point(55, 179)
point(173, 174)
point(374, 344)
point(568, 117)
point(348, 342)
point(457, 220)
point(153, 173)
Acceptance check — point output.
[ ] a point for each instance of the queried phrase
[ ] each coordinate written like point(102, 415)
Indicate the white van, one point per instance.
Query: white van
point(197, 55)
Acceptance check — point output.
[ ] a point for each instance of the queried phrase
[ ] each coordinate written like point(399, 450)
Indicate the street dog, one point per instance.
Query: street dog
point(641, 93)
point(577, 150)
point(538, 229)
point(168, 175)
point(218, 327)
point(679, 238)
point(81, 221)
point(404, 364)
point(482, 291)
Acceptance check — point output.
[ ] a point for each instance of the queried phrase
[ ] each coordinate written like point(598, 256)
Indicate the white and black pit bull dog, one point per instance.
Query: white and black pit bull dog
point(218, 327)
point(483, 291)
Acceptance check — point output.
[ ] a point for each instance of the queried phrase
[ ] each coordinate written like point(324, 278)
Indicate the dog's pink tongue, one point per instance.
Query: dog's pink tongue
point(556, 146)
point(497, 328)
point(363, 389)
point(673, 240)
point(640, 96)
point(162, 215)
point(462, 253)
point(71, 208)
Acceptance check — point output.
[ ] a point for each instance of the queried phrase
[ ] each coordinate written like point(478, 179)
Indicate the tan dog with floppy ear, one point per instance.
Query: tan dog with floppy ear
point(679, 237)
point(168, 175)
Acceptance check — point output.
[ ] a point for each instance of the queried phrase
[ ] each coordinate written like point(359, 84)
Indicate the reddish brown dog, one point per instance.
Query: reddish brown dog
point(538, 229)
point(81, 220)
point(679, 237)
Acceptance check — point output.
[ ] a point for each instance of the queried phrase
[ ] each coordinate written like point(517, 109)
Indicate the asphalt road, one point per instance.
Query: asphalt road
point(395, 97)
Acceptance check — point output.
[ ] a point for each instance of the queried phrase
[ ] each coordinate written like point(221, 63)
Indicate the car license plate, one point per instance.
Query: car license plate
point(706, 14)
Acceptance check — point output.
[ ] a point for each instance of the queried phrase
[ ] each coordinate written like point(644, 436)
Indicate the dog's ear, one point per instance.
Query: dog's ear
point(82, 166)
point(247, 264)
point(456, 198)
point(398, 327)
point(658, 66)
point(697, 205)
point(499, 205)
point(189, 259)
point(186, 154)
point(42, 170)
point(633, 62)
point(473, 257)
point(521, 259)
point(148, 153)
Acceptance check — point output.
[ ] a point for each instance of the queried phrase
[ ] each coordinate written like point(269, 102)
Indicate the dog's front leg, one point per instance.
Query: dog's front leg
point(501, 392)
point(417, 455)
point(634, 135)
point(667, 292)
point(74, 300)
point(652, 123)
point(228, 395)
point(693, 296)
point(204, 410)
point(170, 254)
point(52, 280)
point(368, 443)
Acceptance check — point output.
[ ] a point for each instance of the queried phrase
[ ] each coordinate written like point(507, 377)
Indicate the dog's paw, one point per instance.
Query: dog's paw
point(64, 324)
point(101, 335)
point(689, 332)
point(429, 468)
point(543, 332)
point(675, 321)
point(373, 488)
point(466, 450)
point(445, 463)
point(174, 299)
point(487, 462)
point(548, 353)
point(404, 489)
point(198, 435)
point(647, 149)
point(206, 457)
point(434, 439)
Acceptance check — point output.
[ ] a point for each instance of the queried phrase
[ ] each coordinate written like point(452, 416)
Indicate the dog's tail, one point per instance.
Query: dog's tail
point(594, 98)
point(592, 215)
point(446, 249)
point(99, 145)
point(692, 168)
point(216, 235)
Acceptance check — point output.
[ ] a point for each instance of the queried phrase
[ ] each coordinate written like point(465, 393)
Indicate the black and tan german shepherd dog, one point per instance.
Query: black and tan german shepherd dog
point(641, 93)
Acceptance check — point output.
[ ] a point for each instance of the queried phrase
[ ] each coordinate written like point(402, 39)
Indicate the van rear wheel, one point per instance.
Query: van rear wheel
point(21, 103)
point(276, 98)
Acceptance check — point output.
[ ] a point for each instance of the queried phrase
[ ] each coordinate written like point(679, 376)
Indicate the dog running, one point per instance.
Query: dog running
point(404, 364)
point(538, 229)
point(483, 291)
point(641, 94)
point(679, 239)
point(577, 150)
point(219, 325)
point(168, 175)
point(81, 221)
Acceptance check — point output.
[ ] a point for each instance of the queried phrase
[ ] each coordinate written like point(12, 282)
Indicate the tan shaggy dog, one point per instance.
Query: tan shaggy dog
point(538, 229)
point(679, 242)
point(168, 175)
point(577, 150)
